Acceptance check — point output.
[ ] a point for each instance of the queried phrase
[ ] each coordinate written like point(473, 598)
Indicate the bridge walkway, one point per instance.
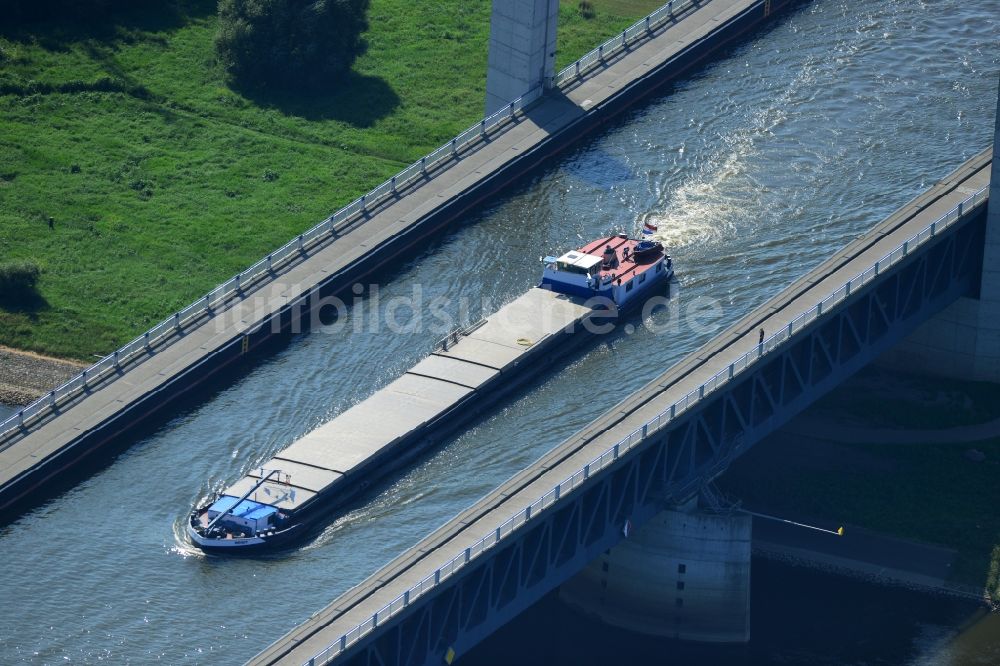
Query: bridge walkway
point(31, 458)
point(358, 605)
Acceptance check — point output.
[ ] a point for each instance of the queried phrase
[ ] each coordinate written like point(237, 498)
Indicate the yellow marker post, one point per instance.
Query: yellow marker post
point(449, 656)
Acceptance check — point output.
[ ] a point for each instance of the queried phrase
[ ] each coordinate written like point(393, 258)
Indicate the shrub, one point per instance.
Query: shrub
point(587, 10)
point(18, 280)
point(289, 44)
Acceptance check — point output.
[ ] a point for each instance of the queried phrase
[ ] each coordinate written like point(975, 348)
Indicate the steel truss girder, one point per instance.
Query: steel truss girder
point(671, 464)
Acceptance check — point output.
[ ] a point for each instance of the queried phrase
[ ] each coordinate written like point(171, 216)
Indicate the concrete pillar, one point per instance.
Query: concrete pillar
point(987, 362)
point(963, 341)
point(685, 575)
point(522, 49)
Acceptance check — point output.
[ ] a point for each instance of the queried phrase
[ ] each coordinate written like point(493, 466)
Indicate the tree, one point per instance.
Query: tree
point(289, 44)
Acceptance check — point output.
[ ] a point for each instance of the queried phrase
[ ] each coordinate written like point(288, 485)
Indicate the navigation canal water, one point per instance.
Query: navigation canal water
point(755, 168)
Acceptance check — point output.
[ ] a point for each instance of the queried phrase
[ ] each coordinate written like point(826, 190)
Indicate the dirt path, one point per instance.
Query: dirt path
point(25, 376)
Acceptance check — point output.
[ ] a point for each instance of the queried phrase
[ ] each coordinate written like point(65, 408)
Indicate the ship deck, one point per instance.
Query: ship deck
point(383, 428)
point(624, 268)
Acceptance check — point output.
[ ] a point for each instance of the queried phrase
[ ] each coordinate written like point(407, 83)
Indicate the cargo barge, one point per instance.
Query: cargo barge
point(279, 502)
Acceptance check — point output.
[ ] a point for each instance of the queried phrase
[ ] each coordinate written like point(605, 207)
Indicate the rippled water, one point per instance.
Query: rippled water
point(755, 168)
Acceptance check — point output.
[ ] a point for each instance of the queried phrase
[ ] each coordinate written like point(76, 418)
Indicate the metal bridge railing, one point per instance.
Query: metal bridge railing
point(262, 271)
point(165, 332)
point(611, 454)
point(637, 32)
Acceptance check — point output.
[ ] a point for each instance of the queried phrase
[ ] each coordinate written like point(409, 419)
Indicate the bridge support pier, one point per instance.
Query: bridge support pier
point(684, 575)
point(522, 52)
point(963, 341)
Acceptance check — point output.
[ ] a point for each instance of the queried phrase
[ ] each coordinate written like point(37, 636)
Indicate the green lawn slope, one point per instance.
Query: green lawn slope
point(162, 181)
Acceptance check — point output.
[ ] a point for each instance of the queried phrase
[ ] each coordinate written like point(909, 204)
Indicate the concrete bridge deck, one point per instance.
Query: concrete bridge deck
point(50, 449)
point(358, 605)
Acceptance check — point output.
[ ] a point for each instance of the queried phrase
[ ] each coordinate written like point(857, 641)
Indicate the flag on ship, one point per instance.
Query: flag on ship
point(648, 229)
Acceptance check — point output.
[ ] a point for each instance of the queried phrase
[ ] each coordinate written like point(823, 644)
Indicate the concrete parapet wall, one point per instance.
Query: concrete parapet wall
point(684, 575)
point(987, 363)
point(522, 51)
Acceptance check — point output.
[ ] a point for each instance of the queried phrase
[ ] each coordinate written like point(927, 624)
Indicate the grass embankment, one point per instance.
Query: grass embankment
point(162, 181)
point(928, 492)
